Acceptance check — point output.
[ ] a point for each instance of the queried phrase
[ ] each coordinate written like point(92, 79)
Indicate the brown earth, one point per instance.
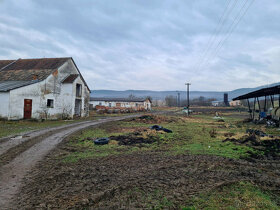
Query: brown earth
point(20, 159)
point(155, 119)
point(138, 180)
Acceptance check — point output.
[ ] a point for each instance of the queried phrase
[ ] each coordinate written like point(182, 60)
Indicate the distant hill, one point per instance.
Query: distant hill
point(162, 94)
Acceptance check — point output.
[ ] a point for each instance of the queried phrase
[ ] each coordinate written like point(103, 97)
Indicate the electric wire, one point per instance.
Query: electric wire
point(230, 30)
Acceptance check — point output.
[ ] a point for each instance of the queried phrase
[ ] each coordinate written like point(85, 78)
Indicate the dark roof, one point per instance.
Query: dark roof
point(36, 64)
point(118, 99)
point(25, 69)
point(4, 63)
point(10, 85)
point(70, 79)
point(260, 93)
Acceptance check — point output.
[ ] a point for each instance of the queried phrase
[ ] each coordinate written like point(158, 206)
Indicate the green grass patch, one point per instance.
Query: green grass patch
point(242, 195)
point(8, 128)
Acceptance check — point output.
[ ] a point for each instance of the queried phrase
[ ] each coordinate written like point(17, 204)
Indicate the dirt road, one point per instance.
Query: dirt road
point(20, 156)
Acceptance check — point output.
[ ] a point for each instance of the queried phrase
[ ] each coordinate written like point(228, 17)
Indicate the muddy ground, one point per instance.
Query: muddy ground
point(138, 180)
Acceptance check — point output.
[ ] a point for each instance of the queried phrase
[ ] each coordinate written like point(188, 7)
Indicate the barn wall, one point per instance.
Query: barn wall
point(4, 104)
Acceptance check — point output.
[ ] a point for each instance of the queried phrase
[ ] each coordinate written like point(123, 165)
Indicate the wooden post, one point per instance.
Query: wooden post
point(249, 108)
point(272, 101)
point(259, 107)
point(254, 108)
point(264, 109)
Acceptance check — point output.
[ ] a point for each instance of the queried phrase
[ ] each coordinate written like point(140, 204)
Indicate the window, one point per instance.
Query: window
point(78, 90)
point(50, 103)
point(110, 105)
point(100, 103)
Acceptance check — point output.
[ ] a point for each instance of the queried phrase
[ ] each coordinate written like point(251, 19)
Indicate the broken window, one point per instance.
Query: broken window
point(50, 103)
point(78, 90)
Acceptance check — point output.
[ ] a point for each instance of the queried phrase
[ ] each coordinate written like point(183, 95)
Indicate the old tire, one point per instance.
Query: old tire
point(101, 141)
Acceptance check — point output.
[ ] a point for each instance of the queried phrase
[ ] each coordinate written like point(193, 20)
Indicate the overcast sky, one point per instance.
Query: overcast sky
point(149, 44)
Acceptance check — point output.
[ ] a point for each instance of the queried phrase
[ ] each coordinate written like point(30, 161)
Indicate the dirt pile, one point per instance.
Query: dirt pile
point(264, 149)
point(155, 119)
point(135, 138)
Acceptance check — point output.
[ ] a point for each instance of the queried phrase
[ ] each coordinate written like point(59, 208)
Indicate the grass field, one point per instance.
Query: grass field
point(199, 134)
point(190, 168)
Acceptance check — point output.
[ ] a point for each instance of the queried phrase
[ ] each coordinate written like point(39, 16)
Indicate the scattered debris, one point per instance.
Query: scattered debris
point(19, 137)
point(16, 137)
point(160, 128)
point(219, 119)
point(271, 123)
point(256, 132)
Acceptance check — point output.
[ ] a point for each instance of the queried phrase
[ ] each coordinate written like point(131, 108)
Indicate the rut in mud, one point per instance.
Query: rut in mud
point(136, 180)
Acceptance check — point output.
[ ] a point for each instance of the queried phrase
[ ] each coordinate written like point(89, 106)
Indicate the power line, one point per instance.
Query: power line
point(217, 31)
point(232, 27)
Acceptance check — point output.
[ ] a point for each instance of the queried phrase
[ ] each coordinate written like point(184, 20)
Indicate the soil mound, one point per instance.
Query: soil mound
point(154, 119)
point(135, 138)
point(265, 149)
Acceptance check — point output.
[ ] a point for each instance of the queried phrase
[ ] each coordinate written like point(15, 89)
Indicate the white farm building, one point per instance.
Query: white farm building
point(136, 104)
point(42, 88)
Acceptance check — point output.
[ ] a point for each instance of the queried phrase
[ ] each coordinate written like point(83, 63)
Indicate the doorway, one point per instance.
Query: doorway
point(78, 107)
point(27, 108)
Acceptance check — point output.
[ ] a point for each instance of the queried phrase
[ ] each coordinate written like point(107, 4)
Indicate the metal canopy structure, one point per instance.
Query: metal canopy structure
point(264, 92)
point(260, 93)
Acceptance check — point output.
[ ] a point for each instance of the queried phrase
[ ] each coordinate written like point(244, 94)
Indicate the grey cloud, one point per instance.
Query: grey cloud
point(144, 45)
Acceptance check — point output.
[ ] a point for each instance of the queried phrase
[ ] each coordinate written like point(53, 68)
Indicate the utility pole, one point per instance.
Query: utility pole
point(188, 97)
point(178, 98)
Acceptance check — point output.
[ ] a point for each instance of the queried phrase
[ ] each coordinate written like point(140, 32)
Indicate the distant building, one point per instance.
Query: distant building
point(217, 103)
point(235, 103)
point(42, 88)
point(136, 104)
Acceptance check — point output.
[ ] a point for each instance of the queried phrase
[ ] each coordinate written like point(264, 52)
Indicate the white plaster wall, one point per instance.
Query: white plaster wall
point(4, 104)
point(17, 97)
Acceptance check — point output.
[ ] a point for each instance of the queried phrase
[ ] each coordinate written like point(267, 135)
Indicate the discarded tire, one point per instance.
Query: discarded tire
point(160, 128)
point(101, 141)
point(167, 130)
point(156, 127)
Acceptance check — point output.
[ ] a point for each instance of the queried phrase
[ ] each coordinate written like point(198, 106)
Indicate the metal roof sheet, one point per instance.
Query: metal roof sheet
point(6, 86)
point(260, 93)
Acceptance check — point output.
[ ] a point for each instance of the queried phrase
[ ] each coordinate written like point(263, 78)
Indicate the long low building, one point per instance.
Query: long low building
point(137, 104)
